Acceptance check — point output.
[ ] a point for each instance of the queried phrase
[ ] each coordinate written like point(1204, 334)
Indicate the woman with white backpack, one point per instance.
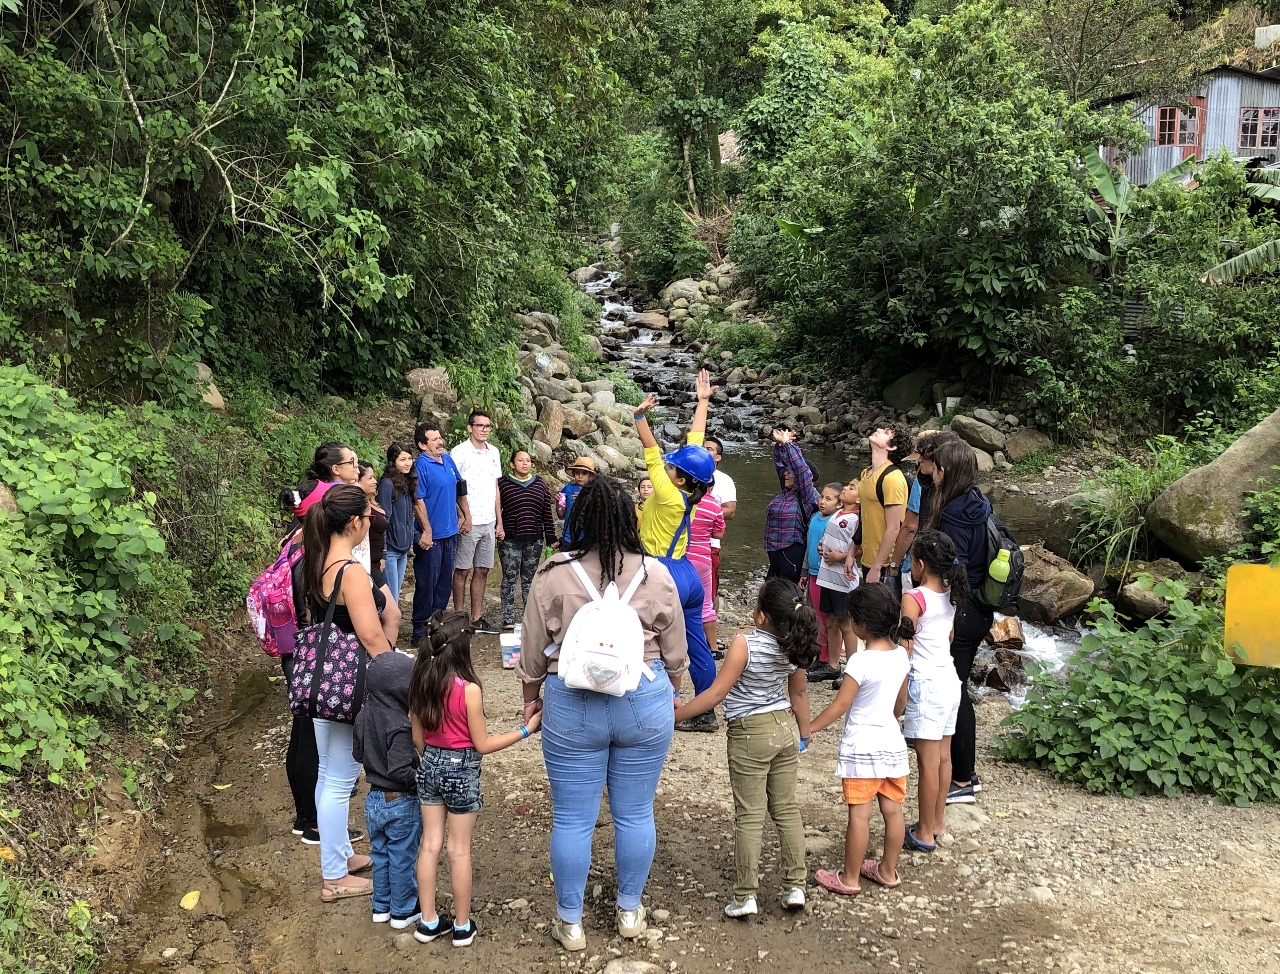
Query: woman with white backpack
point(606, 676)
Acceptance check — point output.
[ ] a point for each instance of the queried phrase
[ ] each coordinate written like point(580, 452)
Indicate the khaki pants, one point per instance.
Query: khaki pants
point(763, 761)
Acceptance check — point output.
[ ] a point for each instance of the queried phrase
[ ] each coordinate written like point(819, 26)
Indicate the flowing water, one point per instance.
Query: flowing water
point(653, 362)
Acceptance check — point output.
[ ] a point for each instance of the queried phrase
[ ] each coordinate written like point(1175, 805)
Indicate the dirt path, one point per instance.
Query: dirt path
point(1039, 876)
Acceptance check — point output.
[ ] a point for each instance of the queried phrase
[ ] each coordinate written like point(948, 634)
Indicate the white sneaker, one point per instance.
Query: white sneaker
point(793, 899)
point(631, 922)
point(381, 917)
point(570, 935)
point(746, 908)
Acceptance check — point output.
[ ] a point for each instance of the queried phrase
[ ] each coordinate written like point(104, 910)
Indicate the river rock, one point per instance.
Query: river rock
point(988, 417)
point(978, 434)
point(585, 275)
point(432, 393)
point(986, 462)
point(577, 423)
point(650, 319)
point(1066, 515)
point(688, 288)
point(1026, 442)
point(1006, 633)
point(605, 397)
point(907, 391)
point(1201, 515)
point(1135, 596)
point(542, 454)
point(550, 423)
point(617, 462)
point(551, 390)
point(1052, 587)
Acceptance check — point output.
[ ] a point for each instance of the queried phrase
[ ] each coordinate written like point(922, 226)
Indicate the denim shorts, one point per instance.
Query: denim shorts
point(450, 778)
point(932, 705)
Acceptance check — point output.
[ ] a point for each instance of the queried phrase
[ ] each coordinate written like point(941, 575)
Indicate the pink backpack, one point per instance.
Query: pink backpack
point(270, 604)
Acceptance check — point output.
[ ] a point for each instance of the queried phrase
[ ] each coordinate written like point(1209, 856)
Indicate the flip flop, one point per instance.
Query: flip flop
point(871, 870)
point(909, 841)
point(830, 879)
point(331, 894)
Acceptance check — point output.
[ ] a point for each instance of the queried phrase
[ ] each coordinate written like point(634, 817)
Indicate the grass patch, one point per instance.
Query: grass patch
point(1038, 462)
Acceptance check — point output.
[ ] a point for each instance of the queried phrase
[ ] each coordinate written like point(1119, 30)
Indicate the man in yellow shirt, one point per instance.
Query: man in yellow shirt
point(882, 494)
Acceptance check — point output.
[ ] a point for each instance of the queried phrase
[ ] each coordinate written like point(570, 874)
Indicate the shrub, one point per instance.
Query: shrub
point(1159, 710)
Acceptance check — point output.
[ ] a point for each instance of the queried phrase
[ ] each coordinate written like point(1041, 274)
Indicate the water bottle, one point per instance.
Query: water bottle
point(997, 575)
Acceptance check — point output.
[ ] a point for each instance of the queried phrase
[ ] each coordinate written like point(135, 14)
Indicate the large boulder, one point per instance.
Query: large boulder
point(688, 288)
point(1136, 581)
point(907, 391)
point(1052, 587)
point(1026, 442)
point(977, 433)
point(550, 423)
point(1201, 515)
point(1066, 515)
point(650, 319)
point(585, 275)
point(432, 393)
point(986, 462)
point(577, 423)
point(614, 459)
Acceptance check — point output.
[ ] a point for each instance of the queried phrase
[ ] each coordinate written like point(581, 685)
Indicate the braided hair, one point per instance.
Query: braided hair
point(792, 619)
point(937, 553)
point(603, 520)
point(876, 609)
point(444, 652)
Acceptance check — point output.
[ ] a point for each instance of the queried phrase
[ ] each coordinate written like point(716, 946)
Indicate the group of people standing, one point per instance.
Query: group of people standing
point(421, 732)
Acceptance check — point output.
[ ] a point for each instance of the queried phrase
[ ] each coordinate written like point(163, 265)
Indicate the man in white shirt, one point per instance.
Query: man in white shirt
point(481, 466)
point(726, 492)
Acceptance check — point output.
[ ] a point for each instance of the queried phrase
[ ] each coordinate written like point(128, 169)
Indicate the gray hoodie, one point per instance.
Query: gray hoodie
point(383, 736)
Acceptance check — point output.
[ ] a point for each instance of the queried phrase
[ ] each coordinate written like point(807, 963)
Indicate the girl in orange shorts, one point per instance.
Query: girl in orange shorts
point(872, 758)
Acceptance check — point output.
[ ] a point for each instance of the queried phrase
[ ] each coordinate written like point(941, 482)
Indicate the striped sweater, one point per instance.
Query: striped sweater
point(526, 510)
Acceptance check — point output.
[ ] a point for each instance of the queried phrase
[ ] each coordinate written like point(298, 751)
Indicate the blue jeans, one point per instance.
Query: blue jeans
point(590, 739)
point(395, 831)
point(338, 774)
point(433, 579)
point(397, 564)
point(702, 665)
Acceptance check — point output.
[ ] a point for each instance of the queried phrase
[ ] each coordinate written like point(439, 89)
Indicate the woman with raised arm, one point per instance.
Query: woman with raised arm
point(680, 479)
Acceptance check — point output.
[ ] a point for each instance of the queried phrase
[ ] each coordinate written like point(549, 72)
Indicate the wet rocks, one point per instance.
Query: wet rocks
point(1052, 587)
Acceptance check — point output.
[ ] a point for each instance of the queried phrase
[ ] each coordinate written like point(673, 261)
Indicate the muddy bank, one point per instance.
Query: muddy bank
point(1037, 876)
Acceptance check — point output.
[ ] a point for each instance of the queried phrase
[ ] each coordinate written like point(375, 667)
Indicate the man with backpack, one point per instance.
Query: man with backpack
point(882, 493)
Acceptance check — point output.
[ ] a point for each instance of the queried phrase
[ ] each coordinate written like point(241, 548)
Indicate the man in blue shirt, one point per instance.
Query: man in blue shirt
point(442, 494)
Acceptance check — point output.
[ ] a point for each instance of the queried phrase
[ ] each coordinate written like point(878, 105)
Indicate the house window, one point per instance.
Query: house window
point(1177, 126)
point(1259, 128)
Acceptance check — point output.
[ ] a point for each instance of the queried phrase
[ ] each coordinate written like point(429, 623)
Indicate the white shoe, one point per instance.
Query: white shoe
point(381, 917)
point(746, 908)
point(570, 935)
point(793, 899)
point(631, 922)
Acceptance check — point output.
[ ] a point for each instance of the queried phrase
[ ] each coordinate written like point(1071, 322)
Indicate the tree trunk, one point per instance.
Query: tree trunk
point(690, 186)
point(713, 150)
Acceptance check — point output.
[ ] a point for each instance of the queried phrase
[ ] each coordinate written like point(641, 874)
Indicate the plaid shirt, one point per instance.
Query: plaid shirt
point(787, 516)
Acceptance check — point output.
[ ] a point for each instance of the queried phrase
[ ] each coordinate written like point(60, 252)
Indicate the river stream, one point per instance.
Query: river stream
point(655, 361)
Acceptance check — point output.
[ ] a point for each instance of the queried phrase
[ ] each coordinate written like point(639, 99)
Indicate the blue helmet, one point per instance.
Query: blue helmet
point(694, 461)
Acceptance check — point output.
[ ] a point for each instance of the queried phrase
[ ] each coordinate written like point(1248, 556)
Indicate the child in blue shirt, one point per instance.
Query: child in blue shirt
point(828, 504)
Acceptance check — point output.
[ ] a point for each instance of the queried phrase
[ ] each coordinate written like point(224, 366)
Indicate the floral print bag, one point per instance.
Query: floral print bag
point(328, 668)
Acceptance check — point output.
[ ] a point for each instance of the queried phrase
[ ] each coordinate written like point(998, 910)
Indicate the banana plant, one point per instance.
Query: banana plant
point(1265, 185)
point(1121, 197)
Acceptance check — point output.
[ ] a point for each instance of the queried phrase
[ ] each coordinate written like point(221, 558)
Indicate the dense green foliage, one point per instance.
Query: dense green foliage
point(317, 194)
point(1158, 710)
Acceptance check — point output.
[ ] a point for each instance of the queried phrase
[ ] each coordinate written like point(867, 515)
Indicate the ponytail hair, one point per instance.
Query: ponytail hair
point(793, 620)
point(328, 516)
point(937, 552)
point(444, 652)
point(876, 609)
point(327, 456)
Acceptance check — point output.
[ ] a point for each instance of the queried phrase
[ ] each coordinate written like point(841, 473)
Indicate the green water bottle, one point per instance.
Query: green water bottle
point(997, 575)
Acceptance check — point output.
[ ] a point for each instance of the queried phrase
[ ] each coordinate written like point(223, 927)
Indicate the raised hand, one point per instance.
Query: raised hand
point(649, 402)
point(702, 386)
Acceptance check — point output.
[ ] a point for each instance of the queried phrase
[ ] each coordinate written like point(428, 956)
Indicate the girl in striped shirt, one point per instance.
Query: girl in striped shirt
point(763, 685)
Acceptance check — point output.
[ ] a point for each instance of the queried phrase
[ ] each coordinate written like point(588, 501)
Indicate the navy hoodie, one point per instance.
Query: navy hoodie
point(964, 521)
point(383, 740)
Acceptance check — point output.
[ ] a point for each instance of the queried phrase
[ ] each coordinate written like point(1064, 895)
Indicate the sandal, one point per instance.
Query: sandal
point(911, 843)
point(333, 893)
point(871, 870)
point(830, 879)
point(364, 867)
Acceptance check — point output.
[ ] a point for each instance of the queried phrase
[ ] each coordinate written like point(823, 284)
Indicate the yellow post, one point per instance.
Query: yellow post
point(1252, 628)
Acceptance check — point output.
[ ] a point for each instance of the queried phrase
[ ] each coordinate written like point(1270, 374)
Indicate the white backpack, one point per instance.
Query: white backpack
point(603, 648)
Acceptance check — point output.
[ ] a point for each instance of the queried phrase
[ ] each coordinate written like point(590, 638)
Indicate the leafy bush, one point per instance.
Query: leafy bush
point(1159, 710)
point(40, 932)
point(655, 229)
point(1115, 526)
point(90, 607)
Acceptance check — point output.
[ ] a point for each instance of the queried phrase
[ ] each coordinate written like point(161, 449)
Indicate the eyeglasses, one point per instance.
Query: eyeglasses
point(481, 426)
point(353, 462)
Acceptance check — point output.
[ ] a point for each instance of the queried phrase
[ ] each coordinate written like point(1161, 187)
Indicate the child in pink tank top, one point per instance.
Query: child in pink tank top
point(446, 709)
